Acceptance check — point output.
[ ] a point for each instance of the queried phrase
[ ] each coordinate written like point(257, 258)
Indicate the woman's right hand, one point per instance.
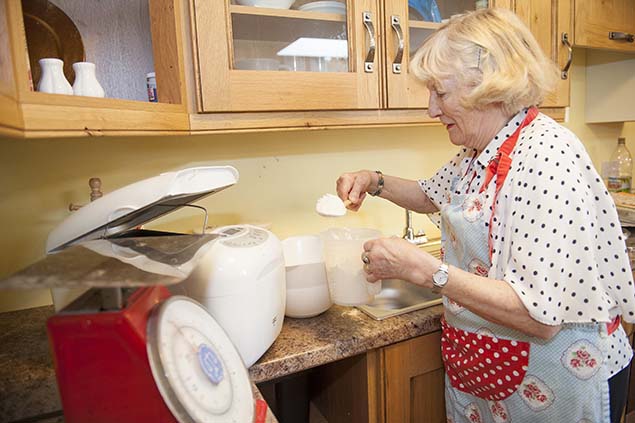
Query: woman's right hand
point(354, 186)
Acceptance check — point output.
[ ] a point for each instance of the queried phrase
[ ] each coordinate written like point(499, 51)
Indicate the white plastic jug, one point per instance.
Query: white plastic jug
point(343, 249)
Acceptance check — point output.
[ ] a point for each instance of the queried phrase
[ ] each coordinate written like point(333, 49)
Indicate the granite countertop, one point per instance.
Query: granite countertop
point(27, 378)
point(338, 333)
point(28, 388)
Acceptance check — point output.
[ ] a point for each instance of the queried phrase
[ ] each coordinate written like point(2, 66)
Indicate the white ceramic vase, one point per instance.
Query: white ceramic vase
point(86, 83)
point(52, 79)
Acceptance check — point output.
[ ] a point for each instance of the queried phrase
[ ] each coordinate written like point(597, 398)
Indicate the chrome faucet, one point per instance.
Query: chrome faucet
point(409, 232)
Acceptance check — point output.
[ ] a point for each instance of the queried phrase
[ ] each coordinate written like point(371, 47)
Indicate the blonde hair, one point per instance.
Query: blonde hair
point(492, 51)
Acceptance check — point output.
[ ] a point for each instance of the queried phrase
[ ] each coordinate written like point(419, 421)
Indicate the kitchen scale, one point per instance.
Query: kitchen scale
point(128, 350)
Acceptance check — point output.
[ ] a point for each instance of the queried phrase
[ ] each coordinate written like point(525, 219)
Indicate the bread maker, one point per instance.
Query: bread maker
point(241, 281)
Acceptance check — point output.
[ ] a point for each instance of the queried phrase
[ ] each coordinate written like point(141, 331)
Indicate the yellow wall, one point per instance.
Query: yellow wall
point(281, 177)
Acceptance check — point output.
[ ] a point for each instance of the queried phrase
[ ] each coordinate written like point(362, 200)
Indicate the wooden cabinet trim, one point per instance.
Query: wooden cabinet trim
point(167, 46)
point(38, 117)
point(10, 115)
point(19, 55)
point(236, 122)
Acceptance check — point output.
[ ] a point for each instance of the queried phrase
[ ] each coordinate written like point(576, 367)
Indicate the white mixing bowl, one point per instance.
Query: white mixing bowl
point(307, 287)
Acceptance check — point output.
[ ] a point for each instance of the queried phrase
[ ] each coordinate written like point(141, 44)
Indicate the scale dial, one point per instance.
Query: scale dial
point(197, 369)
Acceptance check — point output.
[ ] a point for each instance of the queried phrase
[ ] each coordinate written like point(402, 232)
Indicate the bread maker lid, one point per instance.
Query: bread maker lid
point(140, 203)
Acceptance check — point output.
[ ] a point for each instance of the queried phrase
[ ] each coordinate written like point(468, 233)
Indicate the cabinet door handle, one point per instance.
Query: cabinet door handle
point(369, 62)
point(395, 22)
point(621, 36)
point(565, 71)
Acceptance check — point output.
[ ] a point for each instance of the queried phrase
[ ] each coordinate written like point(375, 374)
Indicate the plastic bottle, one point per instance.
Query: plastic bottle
point(620, 171)
point(481, 4)
point(151, 82)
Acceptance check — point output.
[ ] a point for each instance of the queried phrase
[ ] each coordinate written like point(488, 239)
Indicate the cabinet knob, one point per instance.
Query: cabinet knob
point(95, 193)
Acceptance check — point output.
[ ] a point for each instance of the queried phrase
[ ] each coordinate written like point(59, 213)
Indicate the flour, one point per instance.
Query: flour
point(330, 205)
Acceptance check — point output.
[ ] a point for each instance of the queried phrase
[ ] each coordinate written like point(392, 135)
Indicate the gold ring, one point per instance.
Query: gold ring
point(365, 258)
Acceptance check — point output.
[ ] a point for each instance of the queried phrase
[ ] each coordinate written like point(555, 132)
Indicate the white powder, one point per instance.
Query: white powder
point(330, 205)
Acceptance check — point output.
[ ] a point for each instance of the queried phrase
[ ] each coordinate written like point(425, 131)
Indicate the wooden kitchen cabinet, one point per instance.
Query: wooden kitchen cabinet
point(27, 113)
point(224, 67)
point(262, 59)
point(405, 30)
point(414, 380)
point(251, 60)
point(402, 382)
point(605, 24)
point(550, 21)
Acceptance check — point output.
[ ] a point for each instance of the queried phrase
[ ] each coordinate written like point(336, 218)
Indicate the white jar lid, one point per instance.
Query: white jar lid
point(150, 75)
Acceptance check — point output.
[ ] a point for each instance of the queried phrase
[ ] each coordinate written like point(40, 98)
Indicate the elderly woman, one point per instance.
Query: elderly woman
point(534, 271)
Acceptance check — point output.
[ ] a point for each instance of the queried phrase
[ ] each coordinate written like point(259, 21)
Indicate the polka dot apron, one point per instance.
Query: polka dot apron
point(496, 374)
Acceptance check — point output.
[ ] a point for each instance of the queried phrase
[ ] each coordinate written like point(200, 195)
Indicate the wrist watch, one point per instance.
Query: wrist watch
point(440, 278)
point(380, 184)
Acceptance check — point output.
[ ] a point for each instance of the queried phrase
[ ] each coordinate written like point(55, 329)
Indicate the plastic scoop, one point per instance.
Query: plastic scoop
point(330, 205)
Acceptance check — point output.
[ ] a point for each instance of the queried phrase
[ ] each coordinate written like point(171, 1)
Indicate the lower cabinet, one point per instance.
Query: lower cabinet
point(414, 380)
point(402, 382)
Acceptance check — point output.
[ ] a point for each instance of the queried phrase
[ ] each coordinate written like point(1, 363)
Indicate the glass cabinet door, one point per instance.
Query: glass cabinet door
point(407, 24)
point(263, 55)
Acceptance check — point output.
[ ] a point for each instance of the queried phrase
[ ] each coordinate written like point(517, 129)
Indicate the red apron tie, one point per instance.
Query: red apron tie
point(500, 165)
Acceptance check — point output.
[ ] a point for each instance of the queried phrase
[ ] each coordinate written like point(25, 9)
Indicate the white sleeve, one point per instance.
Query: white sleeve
point(437, 187)
point(566, 256)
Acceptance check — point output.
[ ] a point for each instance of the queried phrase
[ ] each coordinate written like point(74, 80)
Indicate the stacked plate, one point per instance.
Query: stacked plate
point(273, 4)
point(324, 7)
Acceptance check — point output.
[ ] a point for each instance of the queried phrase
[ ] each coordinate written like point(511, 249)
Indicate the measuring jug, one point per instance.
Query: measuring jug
point(343, 249)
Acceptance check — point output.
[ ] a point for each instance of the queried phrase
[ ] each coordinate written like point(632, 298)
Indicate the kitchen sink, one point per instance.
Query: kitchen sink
point(398, 297)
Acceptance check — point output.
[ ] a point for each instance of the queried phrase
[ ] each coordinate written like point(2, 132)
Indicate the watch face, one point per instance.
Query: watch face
point(440, 277)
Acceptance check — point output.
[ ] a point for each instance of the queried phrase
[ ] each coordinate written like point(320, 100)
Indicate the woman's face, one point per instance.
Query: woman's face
point(466, 127)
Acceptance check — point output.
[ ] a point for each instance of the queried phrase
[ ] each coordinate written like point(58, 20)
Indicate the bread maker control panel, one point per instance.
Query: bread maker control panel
point(244, 237)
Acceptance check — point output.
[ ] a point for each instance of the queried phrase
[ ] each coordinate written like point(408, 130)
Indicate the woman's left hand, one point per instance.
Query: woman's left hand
point(396, 258)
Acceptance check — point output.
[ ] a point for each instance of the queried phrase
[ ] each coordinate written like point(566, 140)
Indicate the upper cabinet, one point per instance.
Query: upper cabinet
point(229, 65)
point(280, 55)
point(606, 24)
point(257, 55)
point(607, 28)
point(125, 39)
point(550, 22)
point(320, 55)
point(406, 25)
